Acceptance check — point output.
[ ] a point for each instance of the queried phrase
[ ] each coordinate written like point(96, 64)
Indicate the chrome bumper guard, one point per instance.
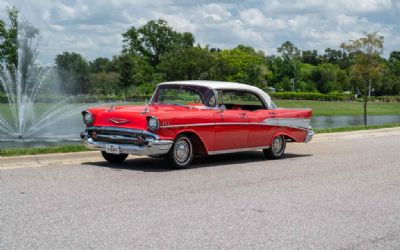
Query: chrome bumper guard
point(310, 134)
point(154, 147)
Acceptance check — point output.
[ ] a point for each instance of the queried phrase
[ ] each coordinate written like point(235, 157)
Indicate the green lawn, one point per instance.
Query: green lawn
point(42, 150)
point(341, 108)
point(318, 107)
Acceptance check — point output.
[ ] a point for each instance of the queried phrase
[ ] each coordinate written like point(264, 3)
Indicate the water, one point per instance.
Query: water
point(352, 120)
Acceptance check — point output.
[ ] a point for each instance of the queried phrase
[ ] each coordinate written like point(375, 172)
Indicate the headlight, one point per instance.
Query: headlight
point(152, 123)
point(88, 118)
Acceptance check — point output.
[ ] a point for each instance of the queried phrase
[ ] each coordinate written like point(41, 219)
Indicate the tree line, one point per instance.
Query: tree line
point(155, 52)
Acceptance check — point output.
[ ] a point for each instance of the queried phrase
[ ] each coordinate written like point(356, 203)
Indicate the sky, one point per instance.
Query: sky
point(94, 27)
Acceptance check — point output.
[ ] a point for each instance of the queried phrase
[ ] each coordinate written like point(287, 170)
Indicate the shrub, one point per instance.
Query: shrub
point(312, 96)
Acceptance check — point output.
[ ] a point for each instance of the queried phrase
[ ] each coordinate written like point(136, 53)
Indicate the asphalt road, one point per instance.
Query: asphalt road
point(342, 194)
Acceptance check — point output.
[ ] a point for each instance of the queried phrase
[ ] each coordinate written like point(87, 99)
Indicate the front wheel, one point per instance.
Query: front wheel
point(181, 154)
point(277, 148)
point(114, 158)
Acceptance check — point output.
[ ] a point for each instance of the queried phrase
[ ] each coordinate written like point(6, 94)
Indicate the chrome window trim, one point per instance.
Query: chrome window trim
point(260, 98)
point(235, 150)
point(205, 107)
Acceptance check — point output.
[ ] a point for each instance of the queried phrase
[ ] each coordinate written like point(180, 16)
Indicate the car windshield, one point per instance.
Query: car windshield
point(184, 95)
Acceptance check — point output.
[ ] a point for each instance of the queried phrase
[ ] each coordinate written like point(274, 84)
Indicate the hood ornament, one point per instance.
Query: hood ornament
point(146, 107)
point(118, 121)
point(112, 108)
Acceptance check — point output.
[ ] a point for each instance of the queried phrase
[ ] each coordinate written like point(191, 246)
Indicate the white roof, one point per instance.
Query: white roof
point(224, 85)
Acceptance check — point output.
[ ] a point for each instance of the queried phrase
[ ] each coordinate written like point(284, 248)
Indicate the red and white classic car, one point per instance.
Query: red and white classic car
point(188, 118)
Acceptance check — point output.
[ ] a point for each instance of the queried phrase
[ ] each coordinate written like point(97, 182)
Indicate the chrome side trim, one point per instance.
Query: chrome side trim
point(235, 150)
point(298, 123)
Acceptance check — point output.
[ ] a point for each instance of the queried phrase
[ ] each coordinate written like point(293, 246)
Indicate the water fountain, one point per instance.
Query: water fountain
point(22, 84)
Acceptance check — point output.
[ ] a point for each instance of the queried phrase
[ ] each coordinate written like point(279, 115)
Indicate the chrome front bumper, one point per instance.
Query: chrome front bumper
point(310, 134)
point(153, 147)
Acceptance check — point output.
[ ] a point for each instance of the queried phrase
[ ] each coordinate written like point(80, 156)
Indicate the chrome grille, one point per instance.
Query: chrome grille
point(120, 136)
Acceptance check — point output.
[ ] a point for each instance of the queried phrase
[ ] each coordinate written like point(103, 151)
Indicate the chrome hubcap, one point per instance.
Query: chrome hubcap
point(277, 144)
point(182, 151)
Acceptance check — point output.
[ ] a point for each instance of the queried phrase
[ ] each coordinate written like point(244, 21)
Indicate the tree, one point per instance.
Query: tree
point(126, 69)
point(391, 77)
point(153, 39)
point(288, 51)
point(192, 63)
point(242, 64)
point(338, 57)
point(325, 76)
point(310, 57)
point(9, 41)
point(104, 83)
point(291, 58)
point(99, 64)
point(73, 72)
point(367, 67)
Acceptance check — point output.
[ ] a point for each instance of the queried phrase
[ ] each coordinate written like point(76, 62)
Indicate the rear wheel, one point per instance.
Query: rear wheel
point(181, 154)
point(277, 148)
point(114, 158)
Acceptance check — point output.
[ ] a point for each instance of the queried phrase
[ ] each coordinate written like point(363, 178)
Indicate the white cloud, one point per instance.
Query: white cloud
point(94, 27)
point(215, 12)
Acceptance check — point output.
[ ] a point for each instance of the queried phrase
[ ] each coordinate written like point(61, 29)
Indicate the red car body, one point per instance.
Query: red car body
point(210, 129)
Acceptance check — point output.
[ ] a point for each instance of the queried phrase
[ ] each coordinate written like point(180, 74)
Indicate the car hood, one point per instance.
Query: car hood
point(134, 116)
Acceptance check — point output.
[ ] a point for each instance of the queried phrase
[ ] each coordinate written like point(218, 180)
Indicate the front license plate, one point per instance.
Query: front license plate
point(112, 149)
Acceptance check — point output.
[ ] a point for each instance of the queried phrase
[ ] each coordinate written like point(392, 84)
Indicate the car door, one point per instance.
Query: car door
point(231, 122)
point(262, 127)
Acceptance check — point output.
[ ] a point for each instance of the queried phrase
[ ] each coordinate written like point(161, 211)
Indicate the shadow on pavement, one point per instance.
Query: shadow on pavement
point(148, 164)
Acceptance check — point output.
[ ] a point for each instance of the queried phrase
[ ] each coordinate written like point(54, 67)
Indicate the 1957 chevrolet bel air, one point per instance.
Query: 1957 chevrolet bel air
point(188, 118)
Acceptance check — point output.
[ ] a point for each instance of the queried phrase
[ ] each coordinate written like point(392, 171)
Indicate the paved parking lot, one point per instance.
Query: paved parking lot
point(330, 194)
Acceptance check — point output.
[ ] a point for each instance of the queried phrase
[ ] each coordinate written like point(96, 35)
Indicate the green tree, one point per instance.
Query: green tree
point(153, 39)
point(391, 77)
point(367, 68)
point(242, 64)
point(337, 57)
point(9, 41)
point(73, 73)
point(186, 64)
point(100, 64)
point(288, 51)
point(291, 62)
point(325, 77)
point(104, 83)
point(133, 71)
point(126, 69)
point(310, 57)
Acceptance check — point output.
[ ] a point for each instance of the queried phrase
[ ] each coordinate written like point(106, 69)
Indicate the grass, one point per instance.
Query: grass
point(355, 128)
point(341, 108)
point(42, 150)
point(319, 108)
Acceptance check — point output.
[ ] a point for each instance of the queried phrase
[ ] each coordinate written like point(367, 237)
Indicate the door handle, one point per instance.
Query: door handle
point(242, 115)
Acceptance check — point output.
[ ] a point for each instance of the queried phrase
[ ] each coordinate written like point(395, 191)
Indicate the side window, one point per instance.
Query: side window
point(234, 99)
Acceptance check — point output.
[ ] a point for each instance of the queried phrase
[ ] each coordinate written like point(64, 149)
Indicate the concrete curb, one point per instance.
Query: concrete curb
point(80, 157)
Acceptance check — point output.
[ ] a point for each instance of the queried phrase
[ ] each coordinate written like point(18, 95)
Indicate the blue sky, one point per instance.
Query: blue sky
point(94, 27)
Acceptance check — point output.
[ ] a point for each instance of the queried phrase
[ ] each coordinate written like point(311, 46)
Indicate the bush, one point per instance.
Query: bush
point(312, 96)
point(385, 98)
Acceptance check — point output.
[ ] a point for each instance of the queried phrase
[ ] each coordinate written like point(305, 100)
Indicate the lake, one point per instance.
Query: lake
point(73, 127)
